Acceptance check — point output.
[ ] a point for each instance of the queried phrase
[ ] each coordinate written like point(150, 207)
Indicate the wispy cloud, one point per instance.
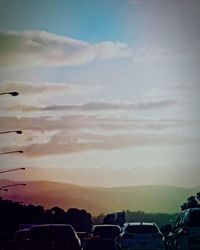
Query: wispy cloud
point(39, 48)
point(156, 54)
point(101, 106)
point(92, 122)
point(45, 136)
point(67, 143)
point(192, 87)
point(45, 88)
point(183, 93)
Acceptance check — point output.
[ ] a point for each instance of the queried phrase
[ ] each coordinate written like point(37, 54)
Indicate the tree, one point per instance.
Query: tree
point(192, 202)
point(198, 196)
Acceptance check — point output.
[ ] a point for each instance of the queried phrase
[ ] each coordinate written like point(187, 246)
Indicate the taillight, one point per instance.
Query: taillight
point(96, 237)
point(185, 230)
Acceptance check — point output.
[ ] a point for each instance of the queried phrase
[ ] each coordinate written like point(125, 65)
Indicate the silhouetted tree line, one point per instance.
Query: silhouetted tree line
point(138, 216)
point(192, 202)
point(14, 214)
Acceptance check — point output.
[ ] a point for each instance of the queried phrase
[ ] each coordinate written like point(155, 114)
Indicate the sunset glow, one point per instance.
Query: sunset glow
point(108, 91)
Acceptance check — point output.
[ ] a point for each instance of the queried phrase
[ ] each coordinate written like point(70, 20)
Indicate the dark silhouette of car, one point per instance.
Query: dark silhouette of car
point(140, 235)
point(20, 238)
point(103, 237)
point(83, 236)
point(53, 237)
point(185, 234)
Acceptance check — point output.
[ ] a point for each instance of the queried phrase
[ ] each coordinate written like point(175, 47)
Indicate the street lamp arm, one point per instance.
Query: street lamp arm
point(10, 170)
point(13, 185)
point(12, 131)
point(12, 93)
point(11, 152)
point(4, 189)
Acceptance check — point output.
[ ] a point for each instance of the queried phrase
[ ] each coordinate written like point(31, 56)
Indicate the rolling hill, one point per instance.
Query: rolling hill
point(100, 200)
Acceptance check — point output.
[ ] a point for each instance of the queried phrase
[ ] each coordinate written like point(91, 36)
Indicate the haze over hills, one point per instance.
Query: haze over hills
point(100, 200)
point(181, 176)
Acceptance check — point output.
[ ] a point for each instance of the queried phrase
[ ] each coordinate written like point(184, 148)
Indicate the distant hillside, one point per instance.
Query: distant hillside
point(100, 200)
point(179, 176)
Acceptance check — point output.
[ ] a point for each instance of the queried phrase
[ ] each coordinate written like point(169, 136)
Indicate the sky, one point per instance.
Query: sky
point(108, 91)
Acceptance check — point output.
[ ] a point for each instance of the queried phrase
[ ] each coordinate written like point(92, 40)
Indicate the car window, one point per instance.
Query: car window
point(106, 230)
point(141, 229)
point(177, 222)
point(194, 219)
point(183, 218)
point(52, 233)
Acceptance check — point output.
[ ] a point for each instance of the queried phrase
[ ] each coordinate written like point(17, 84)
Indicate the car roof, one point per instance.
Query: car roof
point(140, 224)
point(106, 225)
point(51, 225)
point(23, 230)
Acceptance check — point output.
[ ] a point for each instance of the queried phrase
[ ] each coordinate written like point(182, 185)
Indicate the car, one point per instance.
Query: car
point(140, 235)
point(53, 237)
point(185, 234)
point(83, 236)
point(103, 237)
point(20, 238)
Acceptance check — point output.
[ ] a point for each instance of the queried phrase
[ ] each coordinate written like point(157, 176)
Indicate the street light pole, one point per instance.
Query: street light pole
point(12, 152)
point(12, 185)
point(10, 170)
point(12, 131)
point(12, 93)
point(5, 188)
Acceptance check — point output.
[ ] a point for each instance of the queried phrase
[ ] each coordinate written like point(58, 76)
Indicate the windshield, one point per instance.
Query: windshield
point(141, 229)
point(195, 218)
point(49, 233)
point(106, 230)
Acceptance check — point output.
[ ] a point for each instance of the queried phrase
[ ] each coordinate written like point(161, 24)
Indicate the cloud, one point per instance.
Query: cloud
point(45, 136)
point(67, 143)
point(102, 106)
point(44, 88)
point(192, 87)
point(81, 122)
point(183, 94)
point(150, 54)
point(39, 48)
point(157, 54)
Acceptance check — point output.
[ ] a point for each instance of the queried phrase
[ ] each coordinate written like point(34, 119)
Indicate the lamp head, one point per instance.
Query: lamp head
point(14, 93)
point(18, 132)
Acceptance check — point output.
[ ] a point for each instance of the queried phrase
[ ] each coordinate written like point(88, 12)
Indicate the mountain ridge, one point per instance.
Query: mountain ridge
point(151, 198)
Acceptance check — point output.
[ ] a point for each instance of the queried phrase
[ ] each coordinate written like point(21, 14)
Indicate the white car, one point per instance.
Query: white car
point(140, 235)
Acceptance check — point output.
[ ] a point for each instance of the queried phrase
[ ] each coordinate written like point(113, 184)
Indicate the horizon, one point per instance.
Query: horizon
point(108, 91)
point(93, 186)
point(98, 200)
point(85, 177)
